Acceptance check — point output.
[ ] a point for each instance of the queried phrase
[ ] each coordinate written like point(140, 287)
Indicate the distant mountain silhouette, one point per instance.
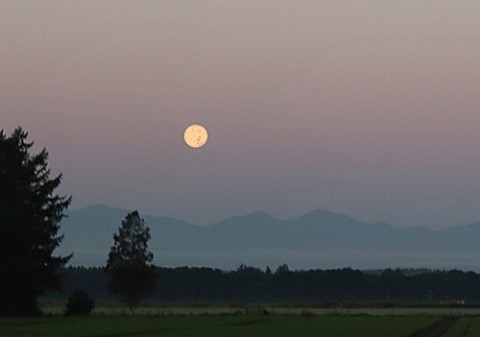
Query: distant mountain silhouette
point(318, 239)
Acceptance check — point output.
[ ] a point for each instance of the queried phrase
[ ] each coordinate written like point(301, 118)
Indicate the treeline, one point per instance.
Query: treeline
point(251, 284)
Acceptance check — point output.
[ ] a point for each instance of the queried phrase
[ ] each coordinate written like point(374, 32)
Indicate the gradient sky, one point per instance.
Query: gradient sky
point(369, 108)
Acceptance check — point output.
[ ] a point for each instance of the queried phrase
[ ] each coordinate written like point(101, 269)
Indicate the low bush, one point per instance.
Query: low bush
point(79, 304)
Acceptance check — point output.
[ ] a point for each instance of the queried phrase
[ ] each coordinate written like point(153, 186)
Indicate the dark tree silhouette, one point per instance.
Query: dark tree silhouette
point(30, 214)
point(316, 287)
point(129, 262)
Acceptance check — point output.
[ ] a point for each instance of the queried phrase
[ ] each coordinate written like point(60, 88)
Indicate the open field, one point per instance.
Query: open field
point(219, 326)
point(465, 327)
point(111, 319)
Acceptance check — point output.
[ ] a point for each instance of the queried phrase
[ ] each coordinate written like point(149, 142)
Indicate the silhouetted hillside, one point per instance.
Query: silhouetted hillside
point(318, 239)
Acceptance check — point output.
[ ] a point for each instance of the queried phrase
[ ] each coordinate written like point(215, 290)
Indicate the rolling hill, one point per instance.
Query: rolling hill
point(318, 239)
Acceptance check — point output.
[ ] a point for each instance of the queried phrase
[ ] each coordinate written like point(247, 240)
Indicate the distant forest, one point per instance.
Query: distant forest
point(249, 284)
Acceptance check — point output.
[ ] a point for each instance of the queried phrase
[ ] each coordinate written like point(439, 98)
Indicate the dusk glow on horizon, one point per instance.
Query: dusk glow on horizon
point(367, 108)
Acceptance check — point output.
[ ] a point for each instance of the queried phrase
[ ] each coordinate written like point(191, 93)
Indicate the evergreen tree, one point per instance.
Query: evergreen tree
point(129, 262)
point(30, 215)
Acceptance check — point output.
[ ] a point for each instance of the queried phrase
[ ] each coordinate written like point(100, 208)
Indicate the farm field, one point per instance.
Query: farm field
point(225, 326)
point(465, 327)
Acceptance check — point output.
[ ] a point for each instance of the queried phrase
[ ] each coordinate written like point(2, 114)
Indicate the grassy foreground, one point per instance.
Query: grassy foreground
point(465, 327)
point(218, 326)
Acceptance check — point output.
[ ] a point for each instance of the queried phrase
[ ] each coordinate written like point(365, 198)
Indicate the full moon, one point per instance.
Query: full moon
point(195, 136)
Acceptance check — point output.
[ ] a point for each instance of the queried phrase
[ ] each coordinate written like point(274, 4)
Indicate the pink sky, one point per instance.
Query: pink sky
point(369, 108)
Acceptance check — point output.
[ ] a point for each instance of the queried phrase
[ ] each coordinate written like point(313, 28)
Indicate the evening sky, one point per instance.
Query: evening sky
point(369, 108)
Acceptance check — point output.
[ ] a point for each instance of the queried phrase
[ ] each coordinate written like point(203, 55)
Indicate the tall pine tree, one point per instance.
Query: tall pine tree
point(30, 215)
point(129, 262)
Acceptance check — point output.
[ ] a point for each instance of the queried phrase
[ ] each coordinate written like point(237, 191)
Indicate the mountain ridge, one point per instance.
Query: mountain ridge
point(316, 239)
point(259, 213)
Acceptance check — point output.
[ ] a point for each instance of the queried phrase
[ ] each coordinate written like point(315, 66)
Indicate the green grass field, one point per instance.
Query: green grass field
point(222, 326)
point(465, 327)
point(112, 320)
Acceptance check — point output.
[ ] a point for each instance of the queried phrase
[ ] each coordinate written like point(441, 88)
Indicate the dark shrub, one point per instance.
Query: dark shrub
point(79, 304)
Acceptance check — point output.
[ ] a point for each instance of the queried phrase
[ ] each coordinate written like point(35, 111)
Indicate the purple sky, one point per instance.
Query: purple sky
point(369, 108)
